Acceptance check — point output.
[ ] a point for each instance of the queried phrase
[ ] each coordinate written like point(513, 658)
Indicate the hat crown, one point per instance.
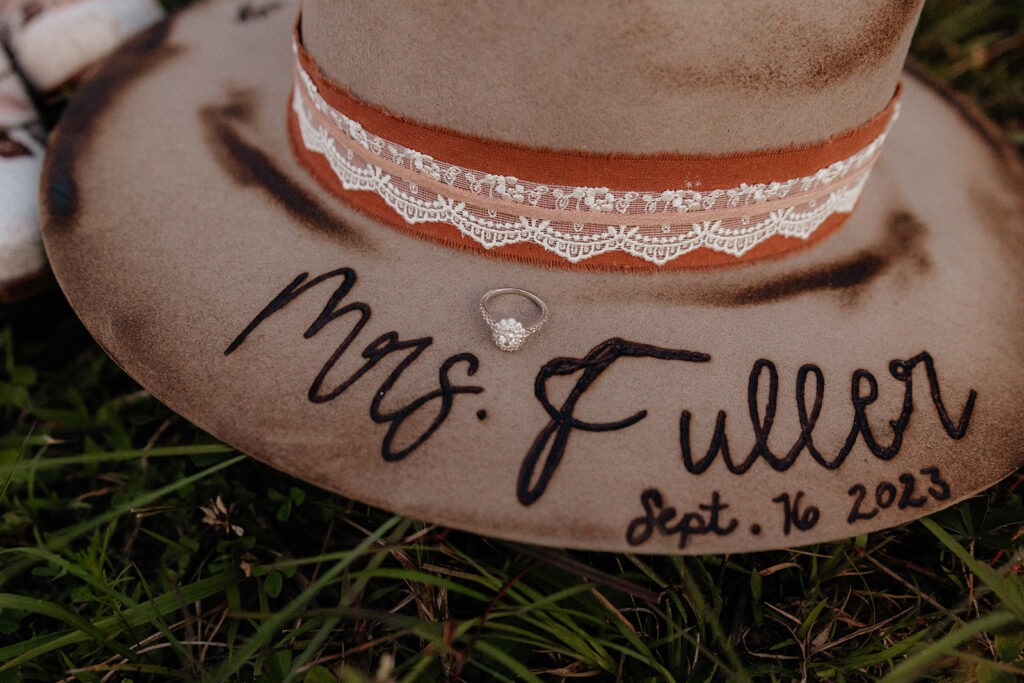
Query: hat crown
point(653, 76)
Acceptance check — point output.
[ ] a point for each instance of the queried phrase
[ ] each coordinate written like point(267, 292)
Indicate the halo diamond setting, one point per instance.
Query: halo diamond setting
point(509, 334)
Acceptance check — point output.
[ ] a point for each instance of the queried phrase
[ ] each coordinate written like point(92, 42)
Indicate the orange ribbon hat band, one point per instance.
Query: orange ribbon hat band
point(576, 210)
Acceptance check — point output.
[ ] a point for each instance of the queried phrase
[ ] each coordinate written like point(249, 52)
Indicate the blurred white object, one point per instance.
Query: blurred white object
point(21, 159)
point(54, 41)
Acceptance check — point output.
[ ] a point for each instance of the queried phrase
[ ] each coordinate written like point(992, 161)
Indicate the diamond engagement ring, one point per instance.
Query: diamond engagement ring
point(508, 333)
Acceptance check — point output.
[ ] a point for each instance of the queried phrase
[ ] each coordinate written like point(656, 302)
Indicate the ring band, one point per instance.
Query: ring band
point(508, 333)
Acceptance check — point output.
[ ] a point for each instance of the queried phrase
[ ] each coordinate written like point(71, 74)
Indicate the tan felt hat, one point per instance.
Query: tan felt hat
point(240, 221)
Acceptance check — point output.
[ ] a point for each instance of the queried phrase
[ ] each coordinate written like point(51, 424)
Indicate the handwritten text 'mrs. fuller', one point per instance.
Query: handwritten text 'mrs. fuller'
point(548, 449)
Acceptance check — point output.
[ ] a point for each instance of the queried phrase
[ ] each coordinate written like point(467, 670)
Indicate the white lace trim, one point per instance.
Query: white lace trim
point(577, 223)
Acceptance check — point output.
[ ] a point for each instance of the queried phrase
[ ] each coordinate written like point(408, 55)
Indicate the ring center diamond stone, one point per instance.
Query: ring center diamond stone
point(509, 334)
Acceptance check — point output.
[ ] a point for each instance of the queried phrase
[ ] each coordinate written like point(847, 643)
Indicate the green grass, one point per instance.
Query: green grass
point(111, 569)
point(978, 47)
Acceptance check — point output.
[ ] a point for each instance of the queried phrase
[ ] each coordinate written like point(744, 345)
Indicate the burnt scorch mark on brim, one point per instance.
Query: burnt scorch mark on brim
point(249, 166)
point(239, 106)
point(249, 11)
point(1002, 212)
point(76, 131)
point(903, 244)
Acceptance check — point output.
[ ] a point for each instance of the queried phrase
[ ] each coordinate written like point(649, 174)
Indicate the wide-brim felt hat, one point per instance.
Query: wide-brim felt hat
point(838, 384)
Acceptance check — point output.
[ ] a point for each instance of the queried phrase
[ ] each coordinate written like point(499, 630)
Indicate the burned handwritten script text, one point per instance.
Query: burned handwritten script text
point(551, 444)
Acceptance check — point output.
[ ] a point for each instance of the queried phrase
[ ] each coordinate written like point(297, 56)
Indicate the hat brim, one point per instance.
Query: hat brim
point(180, 226)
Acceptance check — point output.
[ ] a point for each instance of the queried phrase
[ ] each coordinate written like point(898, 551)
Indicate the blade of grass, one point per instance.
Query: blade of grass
point(272, 625)
point(697, 600)
point(36, 464)
point(63, 538)
point(1008, 589)
point(359, 585)
point(569, 564)
point(420, 578)
point(901, 646)
point(19, 653)
point(54, 611)
point(512, 664)
point(910, 668)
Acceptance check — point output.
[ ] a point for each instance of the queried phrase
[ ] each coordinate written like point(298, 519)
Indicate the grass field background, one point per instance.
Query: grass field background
point(134, 547)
